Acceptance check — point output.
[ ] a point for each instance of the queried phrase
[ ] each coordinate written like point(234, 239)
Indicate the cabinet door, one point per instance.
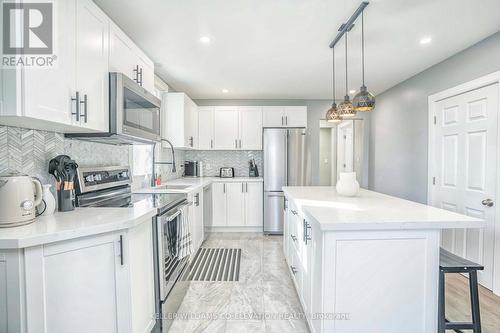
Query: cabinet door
point(205, 127)
point(235, 204)
point(295, 116)
point(48, 92)
point(83, 279)
point(191, 123)
point(147, 74)
point(140, 261)
point(121, 53)
point(226, 128)
point(191, 211)
point(92, 64)
point(250, 128)
point(254, 194)
point(219, 204)
point(273, 116)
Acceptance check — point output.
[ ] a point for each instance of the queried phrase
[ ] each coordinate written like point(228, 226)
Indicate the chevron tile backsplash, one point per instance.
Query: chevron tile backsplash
point(213, 160)
point(29, 151)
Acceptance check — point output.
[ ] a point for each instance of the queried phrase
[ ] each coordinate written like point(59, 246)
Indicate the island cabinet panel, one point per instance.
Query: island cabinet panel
point(357, 280)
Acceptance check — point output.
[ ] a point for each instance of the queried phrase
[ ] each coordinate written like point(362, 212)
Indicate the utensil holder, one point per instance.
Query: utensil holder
point(66, 200)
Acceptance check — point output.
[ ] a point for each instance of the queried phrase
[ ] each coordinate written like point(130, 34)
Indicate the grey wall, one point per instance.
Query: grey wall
point(316, 110)
point(399, 128)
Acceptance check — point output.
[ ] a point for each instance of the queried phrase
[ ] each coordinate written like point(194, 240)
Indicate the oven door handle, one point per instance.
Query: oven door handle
point(170, 218)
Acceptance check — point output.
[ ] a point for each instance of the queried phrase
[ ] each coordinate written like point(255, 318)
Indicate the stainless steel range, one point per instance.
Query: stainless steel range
point(111, 187)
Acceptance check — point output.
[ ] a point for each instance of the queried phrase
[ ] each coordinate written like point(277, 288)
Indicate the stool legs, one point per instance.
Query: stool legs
point(441, 304)
point(474, 300)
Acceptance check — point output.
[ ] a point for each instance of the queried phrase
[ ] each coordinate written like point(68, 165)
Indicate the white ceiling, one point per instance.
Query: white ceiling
point(278, 49)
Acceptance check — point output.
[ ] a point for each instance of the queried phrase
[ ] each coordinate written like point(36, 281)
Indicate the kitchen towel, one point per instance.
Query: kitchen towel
point(184, 243)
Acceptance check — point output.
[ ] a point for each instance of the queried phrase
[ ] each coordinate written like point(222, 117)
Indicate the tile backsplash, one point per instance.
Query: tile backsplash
point(213, 160)
point(29, 151)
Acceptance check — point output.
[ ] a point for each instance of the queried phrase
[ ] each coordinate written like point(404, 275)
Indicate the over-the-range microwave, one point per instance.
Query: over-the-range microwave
point(134, 114)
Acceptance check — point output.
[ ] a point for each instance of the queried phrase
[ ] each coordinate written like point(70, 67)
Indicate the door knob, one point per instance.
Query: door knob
point(488, 202)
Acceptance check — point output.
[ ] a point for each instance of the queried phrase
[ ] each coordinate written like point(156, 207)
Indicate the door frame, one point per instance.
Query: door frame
point(480, 82)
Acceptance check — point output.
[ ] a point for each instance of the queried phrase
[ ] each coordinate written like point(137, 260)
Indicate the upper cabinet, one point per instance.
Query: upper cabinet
point(180, 121)
point(72, 96)
point(285, 116)
point(125, 57)
point(92, 40)
point(230, 128)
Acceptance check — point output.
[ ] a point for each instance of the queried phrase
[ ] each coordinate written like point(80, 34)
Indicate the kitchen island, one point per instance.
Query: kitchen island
point(368, 263)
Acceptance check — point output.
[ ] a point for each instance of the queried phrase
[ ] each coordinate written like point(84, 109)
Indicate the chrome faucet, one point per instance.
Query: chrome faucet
point(153, 175)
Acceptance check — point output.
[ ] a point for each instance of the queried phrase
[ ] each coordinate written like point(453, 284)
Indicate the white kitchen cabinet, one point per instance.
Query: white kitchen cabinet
point(273, 116)
point(206, 127)
point(254, 196)
point(284, 116)
point(219, 204)
point(125, 57)
point(180, 121)
point(196, 223)
point(250, 128)
point(101, 283)
point(92, 56)
point(226, 128)
point(235, 204)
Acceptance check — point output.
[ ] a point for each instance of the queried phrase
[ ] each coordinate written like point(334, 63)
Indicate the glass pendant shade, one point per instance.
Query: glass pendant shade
point(364, 101)
point(346, 109)
point(332, 115)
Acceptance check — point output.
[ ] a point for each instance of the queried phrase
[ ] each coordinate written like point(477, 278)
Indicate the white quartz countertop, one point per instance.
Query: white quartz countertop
point(75, 224)
point(372, 211)
point(193, 184)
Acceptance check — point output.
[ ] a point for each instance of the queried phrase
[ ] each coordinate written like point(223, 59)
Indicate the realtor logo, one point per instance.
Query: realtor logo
point(27, 28)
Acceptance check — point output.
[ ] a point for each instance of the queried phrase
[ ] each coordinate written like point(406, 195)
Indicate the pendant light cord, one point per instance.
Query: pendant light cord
point(346, 83)
point(333, 73)
point(363, 46)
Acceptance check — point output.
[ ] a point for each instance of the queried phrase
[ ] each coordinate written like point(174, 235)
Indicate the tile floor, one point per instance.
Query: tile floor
point(263, 300)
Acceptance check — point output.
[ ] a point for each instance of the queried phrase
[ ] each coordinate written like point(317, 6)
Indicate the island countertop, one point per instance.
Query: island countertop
point(372, 211)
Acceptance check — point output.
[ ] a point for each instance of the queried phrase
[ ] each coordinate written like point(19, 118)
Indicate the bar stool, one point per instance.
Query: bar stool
point(450, 263)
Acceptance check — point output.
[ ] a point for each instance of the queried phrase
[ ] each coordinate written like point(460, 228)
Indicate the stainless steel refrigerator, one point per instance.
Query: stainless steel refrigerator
point(285, 164)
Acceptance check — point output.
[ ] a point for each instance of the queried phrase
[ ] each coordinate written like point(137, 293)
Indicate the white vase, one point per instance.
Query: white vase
point(50, 201)
point(347, 185)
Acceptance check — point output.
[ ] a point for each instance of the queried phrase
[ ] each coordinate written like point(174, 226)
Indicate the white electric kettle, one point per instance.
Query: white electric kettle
point(19, 196)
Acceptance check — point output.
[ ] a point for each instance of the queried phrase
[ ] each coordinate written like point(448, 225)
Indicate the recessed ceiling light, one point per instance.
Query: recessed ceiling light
point(352, 91)
point(425, 40)
point(205, 39)
point(225, 91)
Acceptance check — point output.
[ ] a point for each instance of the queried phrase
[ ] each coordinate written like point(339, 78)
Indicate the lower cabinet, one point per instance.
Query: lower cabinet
point(196, 221)
point(101, 283)
point(302, 249)
point(237, 204)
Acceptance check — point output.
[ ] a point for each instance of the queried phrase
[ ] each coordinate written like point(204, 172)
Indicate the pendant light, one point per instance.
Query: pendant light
point(364, 101)
point(346, 109)
point(332, 115)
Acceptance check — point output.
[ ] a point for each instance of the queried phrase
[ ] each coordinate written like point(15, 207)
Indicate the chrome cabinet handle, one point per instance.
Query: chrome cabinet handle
point(224, 187)
point(293, 269)
point(197, 199)
point(140, 74)
point(236, 143)
point(294, 238)
point(307, 227)
point(294, 212)
point(121, 250)
point(282, 121)
point(136, 70)
point(246, 187)
point(211, 143)
point(242, 187)
point(240, 143)
point(488, 202)
point(77, 106)
point(191, 141)
point(286, 120)
point(85, 108)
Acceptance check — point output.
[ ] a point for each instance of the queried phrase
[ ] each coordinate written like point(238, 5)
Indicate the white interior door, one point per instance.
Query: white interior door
point(345, 148)
point(465, 152)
